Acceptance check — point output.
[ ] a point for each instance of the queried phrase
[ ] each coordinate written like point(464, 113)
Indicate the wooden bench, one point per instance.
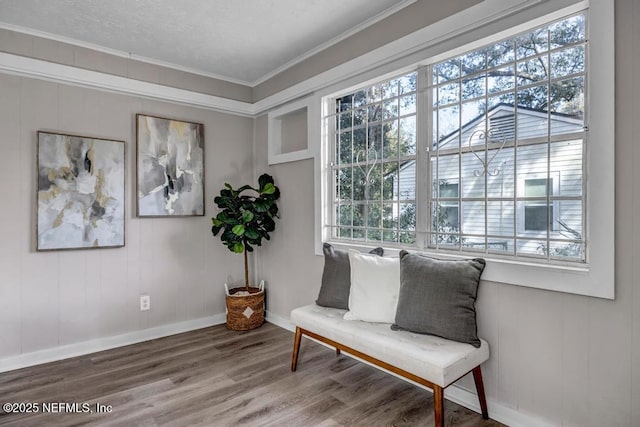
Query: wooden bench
point(431, 361)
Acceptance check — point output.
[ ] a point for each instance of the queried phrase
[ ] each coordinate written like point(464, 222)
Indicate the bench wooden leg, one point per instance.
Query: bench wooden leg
point(337, 351)
point(438, 405)
point(477, 377)
point(296, 348)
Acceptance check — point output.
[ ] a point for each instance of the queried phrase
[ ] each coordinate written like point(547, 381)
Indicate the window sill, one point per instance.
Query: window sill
point(578, 279)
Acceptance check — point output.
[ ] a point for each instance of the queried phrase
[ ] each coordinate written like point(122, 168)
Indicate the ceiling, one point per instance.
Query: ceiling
point(244, 41)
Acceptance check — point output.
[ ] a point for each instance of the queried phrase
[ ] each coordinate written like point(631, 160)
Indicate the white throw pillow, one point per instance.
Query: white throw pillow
point(375, 288)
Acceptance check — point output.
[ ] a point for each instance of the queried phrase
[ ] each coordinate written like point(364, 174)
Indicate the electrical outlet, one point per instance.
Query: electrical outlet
point(145, 302)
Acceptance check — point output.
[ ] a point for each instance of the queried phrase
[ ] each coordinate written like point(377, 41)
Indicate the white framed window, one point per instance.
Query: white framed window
point(495, 123)
point(373, 163)
point(510, 109)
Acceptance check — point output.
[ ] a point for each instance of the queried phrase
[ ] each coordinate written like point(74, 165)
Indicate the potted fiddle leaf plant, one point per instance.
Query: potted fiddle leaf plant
point(246, 217)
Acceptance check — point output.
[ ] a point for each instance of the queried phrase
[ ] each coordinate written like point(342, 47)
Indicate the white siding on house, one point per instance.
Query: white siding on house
point(407, 181)
point(501, 185)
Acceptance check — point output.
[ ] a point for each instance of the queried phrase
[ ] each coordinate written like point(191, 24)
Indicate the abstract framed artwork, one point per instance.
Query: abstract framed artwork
point(80, 192)
point(170, 167)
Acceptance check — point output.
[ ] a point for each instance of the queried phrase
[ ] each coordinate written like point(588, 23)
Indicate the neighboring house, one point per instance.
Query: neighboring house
point(461, 180)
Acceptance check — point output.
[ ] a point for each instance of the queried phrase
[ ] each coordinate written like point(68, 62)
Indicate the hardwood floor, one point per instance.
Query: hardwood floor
point(216, 377)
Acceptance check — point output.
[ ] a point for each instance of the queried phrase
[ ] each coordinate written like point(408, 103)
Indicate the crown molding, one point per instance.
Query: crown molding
point(59, 73)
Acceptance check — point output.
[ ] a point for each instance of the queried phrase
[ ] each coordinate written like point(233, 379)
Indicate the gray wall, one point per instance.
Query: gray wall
point(50, 299)
point(567, 359)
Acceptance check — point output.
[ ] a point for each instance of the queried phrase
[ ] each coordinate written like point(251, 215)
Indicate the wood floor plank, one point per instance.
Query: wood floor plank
point(217, 377)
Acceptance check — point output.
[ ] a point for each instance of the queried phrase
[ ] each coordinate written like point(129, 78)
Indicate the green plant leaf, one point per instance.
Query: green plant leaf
point(269, 188)
point(216, 222)
point(268, 224)
point(226, 184)
point(223, 201)
point(238, 230)
point(250, 233)
point(238, 248)
point(264, 179)
point(229, 238)
point(228, 220)
point(247, 216)
point(262, 205)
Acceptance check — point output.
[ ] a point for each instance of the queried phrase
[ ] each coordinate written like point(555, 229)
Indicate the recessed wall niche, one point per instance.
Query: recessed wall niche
point(290, 132)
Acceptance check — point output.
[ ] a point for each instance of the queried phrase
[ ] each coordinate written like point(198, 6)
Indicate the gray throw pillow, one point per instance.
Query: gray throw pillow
point(438, 297)
point(336, 277)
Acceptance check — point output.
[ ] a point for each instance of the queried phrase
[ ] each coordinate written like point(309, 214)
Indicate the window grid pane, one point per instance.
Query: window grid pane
point(374, 163)
point(512, 139)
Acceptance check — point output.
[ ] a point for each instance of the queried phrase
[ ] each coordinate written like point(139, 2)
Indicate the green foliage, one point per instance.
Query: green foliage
point(534, 68)
point(246, 214)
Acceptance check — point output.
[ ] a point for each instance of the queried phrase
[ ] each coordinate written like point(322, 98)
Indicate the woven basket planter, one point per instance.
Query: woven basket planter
point(245, 312)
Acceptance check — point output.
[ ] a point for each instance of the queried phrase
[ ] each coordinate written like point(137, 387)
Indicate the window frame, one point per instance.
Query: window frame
point(596, 276)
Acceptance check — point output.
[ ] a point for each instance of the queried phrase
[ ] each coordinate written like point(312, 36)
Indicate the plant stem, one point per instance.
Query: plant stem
point(246, 270)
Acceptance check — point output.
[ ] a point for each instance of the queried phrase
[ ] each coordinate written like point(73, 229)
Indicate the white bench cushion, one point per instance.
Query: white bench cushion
point(438, 360)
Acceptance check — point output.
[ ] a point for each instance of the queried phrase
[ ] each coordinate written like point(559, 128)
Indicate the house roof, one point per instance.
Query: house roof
point(479, 120)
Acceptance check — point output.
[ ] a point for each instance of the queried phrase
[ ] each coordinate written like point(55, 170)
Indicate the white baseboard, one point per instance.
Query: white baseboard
point(283, 322)
point(497, 411)
point(87, 347)
point(454, 393)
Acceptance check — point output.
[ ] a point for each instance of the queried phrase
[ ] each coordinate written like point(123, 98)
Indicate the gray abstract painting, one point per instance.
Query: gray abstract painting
point(170, 167)
point(80, 199)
